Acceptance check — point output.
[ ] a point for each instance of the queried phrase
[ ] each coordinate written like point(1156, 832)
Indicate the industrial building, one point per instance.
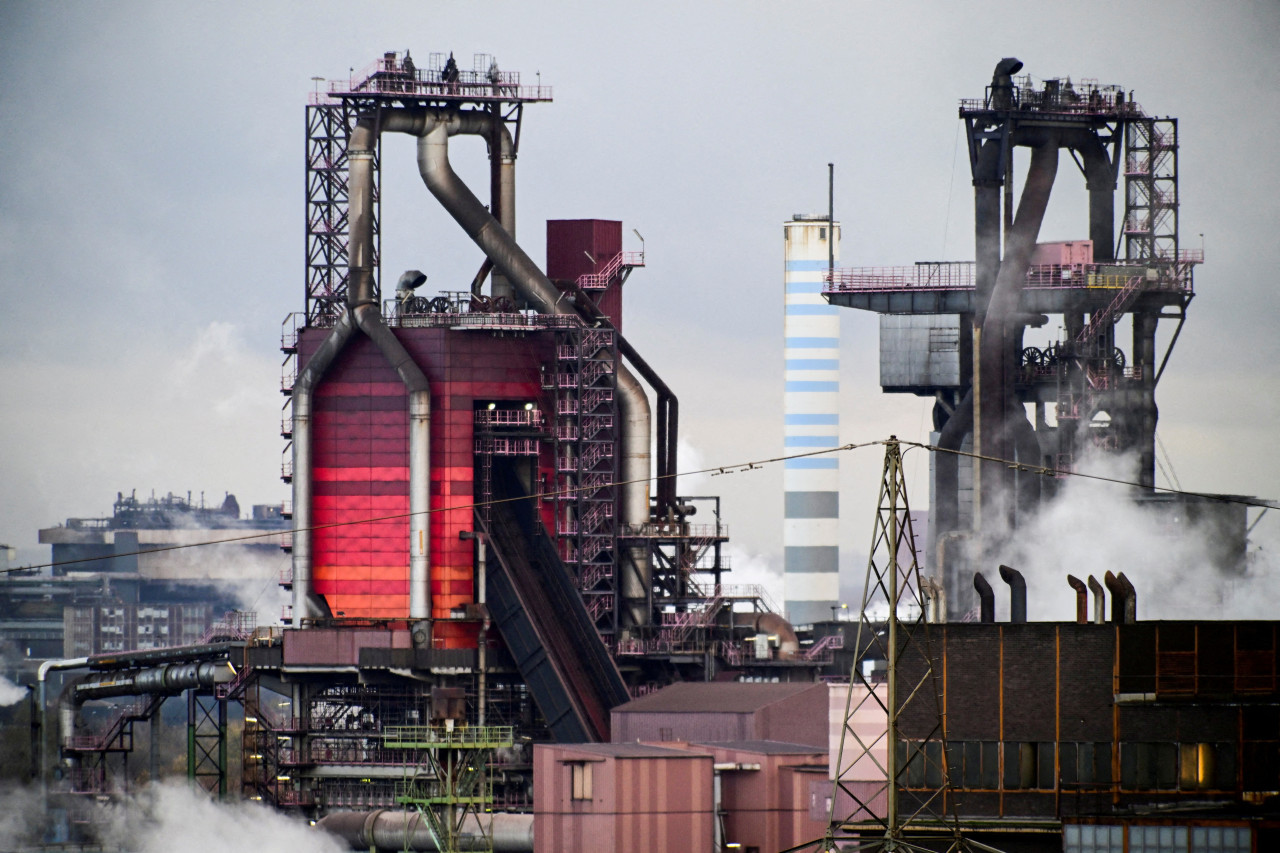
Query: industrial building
point(509, 632)
point(1090, 735)
point(481, 558)
point(1016, 400)
point(134, 580)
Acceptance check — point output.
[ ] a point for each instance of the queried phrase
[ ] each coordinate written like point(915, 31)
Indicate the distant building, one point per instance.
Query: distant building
point(119, 583)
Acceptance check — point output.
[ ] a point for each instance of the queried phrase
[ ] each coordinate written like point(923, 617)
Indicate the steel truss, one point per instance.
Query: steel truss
point(910, 694)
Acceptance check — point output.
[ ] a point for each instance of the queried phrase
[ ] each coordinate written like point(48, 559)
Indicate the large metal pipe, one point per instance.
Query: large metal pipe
point(1001, 323)
point(775, 626)
point(170, 678)
point(385, 829)
point(1082, 599)
point(538, 291)
point(1017, 593)
point(368, 317)
point(986, 598)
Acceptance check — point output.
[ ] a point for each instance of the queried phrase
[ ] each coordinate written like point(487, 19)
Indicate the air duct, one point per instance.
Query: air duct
point(1017, 593)
point(1082, 599)
point(986, 598)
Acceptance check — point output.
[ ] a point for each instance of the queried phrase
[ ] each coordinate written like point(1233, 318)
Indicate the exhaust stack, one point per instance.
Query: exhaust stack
point(1082, 599)
point(1017, 594)
point(986, 598)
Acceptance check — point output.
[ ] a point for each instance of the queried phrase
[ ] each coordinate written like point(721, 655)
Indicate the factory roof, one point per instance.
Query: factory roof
point(715, 697)
point(631, 750)
point(768, 747)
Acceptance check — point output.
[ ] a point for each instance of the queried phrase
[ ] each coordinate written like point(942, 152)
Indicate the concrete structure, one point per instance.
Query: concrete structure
point(726, 711)
point(811, 407)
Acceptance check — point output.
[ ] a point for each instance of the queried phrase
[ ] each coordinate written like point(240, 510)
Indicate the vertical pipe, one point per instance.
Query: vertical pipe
point(1017, 594)
point(482, 547)
point(986, 598)
point(1099, 600)
point(1082, 599)
point(996, 357)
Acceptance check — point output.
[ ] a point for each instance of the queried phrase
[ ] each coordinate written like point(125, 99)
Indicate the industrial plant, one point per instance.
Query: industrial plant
point(508, 631)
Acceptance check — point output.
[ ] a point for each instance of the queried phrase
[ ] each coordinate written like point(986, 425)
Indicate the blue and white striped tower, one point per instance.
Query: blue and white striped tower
point(810, 529)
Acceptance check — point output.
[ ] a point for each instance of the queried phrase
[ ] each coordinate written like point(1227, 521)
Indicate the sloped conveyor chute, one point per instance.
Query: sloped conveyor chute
point(544, 623)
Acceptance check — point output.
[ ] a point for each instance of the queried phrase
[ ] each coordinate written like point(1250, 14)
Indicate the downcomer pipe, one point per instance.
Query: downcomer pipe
point(386, 829)
point(368, 316)
point(364, 314)
point(536, 289)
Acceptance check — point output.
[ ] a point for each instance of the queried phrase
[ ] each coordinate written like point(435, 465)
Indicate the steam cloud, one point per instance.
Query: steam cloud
point(1094, 527)
point(10, 693)
point(173, 817)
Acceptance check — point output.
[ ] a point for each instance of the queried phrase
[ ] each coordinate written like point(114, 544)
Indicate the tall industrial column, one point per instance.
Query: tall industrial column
point(811, 327)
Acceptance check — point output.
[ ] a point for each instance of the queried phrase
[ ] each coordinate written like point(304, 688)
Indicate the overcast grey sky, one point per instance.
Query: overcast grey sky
point(151, 214)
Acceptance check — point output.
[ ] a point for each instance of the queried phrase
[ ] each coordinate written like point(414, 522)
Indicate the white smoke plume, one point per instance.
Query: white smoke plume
point(10, 693)
point(1094, 526)
point(173, 817)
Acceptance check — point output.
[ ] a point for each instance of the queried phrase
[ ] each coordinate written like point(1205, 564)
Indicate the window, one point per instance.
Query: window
point(974, 765)
point(1220, 839)
point(1157, 839)
point(1092, 838)
point(1028, 765)
point(1085, 765)
point(580, 778)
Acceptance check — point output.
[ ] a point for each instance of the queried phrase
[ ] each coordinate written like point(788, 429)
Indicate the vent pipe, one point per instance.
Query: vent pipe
point(1017, 593)
point(1099, 601)
point(986, 598)
point(1124, 605)
point(1082, 599)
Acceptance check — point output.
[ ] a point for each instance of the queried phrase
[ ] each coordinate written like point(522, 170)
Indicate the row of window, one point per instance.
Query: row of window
point(1110, 838)
point(1013, 765)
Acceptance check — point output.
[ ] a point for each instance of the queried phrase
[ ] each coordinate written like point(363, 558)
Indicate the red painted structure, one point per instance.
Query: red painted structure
point(361, 466)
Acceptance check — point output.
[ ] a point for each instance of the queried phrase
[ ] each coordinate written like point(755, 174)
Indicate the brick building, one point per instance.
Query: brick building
point(1103, 737)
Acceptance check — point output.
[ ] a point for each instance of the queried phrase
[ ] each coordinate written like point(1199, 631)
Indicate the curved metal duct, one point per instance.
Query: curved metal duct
point(536, 289)
point(1082, 599)
point(385, 829)
point(1017, 593)
point(1000, 323)
point(986, 598)
point(364, 313)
